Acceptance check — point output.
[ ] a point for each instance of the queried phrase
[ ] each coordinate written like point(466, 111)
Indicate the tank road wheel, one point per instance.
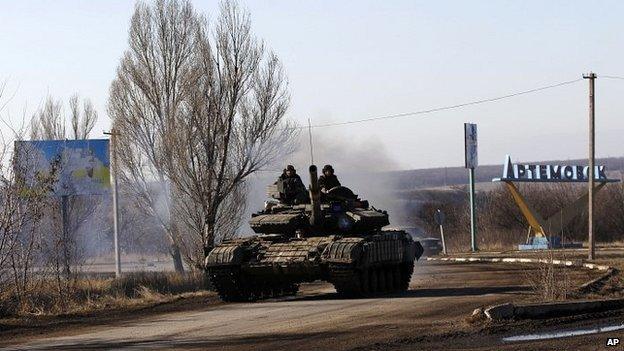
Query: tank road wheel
point(406, 275)
point(286, 289)
point(230, 284)
point(364, 281)
point(396, 275)
point(382, 280)
point(374, 282)
point(267, 291)
point(291, 289)
point(276, 291)
point(347, 280)
point(390, 286)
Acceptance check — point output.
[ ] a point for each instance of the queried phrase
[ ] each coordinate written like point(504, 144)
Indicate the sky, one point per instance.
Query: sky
point(349, 60)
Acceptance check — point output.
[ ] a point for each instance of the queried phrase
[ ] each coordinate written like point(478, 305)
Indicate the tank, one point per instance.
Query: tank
point(333, 236)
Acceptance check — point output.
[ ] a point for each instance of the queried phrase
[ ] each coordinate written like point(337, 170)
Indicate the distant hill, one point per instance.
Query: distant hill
point(447, 176)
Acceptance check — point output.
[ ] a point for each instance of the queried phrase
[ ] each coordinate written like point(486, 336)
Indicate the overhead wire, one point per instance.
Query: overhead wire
point(610, 77)
point(444, 108)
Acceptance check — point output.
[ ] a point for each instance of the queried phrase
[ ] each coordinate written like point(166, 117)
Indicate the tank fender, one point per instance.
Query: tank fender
point(231, 253)
point(345, 250)
point(413, 251)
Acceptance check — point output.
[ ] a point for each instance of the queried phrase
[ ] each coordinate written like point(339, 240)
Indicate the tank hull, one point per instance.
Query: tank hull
point(264, 267)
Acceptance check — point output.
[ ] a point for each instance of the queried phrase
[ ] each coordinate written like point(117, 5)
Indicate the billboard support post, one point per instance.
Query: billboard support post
point(114, 174)
point(65, 224)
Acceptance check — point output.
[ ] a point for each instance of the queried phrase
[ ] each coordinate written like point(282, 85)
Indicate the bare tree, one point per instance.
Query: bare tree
point(50, 123)
point(192, 224)
point(196, 112)
point(146, 96)
point(82, 121)
point(22, 201)
point(231, 124)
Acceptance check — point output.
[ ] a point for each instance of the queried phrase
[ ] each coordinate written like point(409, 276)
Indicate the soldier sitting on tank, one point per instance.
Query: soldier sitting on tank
point(328, 179)
point(293, 189)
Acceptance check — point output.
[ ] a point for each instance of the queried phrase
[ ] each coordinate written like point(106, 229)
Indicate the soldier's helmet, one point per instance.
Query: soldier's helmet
point(328, 168)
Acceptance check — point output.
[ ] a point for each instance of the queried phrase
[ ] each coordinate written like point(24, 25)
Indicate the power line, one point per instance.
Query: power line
point(610, 77)
point(444, 108)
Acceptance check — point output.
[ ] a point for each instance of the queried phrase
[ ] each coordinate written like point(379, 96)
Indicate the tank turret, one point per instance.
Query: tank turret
point(336, 212)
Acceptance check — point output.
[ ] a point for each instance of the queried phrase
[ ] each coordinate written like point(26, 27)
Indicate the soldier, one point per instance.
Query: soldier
point(328, 180)
point(294, 190)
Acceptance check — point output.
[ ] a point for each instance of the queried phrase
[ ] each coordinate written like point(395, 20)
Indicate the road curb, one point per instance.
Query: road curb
point(596, 283)
point(590, 285)
point(508, 311)
point(568, 263)
point(554, 309)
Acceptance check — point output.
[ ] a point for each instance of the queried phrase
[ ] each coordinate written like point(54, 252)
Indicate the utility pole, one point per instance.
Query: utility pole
point(113, 153)
point(592, 140)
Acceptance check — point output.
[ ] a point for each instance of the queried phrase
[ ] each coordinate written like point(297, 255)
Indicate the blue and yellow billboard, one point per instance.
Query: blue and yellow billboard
point(83, 166)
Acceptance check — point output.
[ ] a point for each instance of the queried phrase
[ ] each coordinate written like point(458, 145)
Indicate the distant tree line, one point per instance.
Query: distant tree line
point(501, 225)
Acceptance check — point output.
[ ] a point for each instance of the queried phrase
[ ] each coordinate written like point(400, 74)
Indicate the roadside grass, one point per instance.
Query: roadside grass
point(487, 240)
point(550, 282)
point(84, 294)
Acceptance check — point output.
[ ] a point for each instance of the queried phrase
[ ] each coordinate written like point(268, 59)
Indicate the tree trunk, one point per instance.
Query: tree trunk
point(208, 239)
point(177, 258)
point(65, 240)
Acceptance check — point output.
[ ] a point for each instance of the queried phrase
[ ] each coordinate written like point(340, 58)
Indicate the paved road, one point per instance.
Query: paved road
point(431, 314)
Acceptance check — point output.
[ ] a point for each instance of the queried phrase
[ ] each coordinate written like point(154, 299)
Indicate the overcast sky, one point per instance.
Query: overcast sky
point(350, 60)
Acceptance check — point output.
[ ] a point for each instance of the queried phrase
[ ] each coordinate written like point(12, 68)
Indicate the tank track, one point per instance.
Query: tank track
point(352, 282)
point(234, 286)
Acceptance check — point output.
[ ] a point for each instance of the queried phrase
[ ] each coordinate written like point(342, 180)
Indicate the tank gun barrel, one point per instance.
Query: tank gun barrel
point(315, 197)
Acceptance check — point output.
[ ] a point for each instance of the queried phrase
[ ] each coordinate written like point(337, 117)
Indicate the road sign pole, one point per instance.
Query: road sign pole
point(473, 216)
point(438, 216)
point(443, 241)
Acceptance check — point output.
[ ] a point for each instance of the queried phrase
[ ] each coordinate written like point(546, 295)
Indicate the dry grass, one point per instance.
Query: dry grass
point(487, 240)
point(551, 282)
point(88, 294)
point(131, 285)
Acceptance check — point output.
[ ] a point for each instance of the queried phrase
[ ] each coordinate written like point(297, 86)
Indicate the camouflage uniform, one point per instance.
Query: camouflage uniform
point(328, 182)
point(293, 189)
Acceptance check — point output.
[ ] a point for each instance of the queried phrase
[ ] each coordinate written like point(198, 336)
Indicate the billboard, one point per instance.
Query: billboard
point(83, 165)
